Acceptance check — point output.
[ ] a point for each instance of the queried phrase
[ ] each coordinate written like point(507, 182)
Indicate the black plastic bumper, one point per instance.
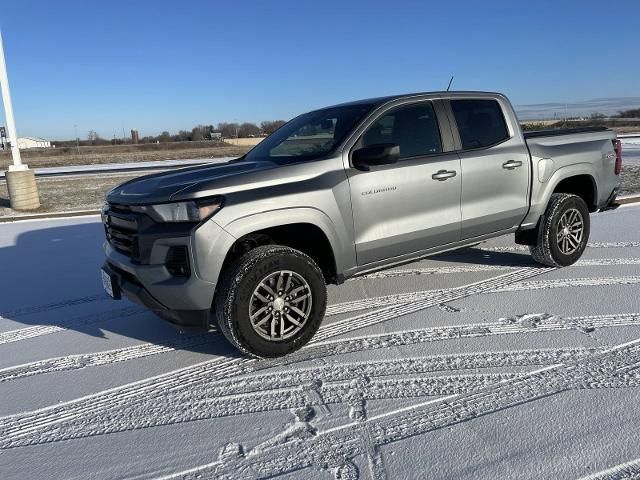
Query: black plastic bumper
point(125, 283)
point(611, 203)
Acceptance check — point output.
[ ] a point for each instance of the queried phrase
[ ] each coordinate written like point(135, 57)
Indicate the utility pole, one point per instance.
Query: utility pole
point(21, 182)
point(75, 131)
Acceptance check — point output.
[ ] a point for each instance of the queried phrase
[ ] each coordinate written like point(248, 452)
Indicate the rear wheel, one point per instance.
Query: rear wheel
point(563, 232)
point(271, 301)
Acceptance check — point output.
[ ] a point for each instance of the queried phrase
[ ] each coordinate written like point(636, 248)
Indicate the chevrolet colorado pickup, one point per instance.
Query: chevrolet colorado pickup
point(342, 191)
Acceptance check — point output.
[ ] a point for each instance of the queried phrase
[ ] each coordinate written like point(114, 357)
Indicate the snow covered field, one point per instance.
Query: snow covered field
point(631, 151)
point(474, 364)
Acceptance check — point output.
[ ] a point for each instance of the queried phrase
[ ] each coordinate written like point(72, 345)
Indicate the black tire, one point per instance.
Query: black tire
point(237, 286)
point(547, 250)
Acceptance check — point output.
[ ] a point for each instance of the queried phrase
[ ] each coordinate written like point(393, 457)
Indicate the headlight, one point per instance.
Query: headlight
point(191, 211)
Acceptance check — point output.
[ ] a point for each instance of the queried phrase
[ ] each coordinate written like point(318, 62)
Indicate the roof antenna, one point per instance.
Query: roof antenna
point(450, 81)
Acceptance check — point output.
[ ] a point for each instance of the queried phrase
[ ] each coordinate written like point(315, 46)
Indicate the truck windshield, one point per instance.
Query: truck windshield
point(309, 136)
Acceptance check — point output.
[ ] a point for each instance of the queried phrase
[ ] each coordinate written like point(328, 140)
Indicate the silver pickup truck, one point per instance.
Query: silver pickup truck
point(343, 191)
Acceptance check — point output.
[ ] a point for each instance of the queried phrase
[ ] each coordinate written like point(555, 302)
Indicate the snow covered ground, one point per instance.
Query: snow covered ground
point(474, 364)
point(631, 150)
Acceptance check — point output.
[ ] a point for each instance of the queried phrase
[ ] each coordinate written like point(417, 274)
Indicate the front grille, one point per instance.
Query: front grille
point(121, 228)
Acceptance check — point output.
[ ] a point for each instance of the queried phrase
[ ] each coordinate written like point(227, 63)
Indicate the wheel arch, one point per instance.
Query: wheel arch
point(579, 179)
point(583, 185)
point(306, 229)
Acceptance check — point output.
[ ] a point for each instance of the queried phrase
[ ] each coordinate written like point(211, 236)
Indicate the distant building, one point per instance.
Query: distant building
point(134, 136)
point(32, 142)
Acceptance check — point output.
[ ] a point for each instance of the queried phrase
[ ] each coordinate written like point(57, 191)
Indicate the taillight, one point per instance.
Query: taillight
point(617, 146)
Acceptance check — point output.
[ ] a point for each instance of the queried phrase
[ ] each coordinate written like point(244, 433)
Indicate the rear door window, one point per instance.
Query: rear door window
point(480, 123)
point(414, 128)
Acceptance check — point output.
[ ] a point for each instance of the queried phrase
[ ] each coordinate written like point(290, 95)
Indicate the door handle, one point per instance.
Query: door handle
point(442, 175)
point(511, 164)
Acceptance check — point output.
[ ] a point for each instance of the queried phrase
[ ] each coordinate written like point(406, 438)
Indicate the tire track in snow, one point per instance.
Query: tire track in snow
point(208, 403)
point(259, 382)
point(519, 248)
point(624, 471)
point(487, 268)
point(338, 445)
point(530, 323)
point(80, 361)
point(39, 330)
point(401, 298)
point(116, 409)
point(569, 282)
point(523, 324)
point(18, 312)
point(181, 399)
point(430, 298)
point(46, 424)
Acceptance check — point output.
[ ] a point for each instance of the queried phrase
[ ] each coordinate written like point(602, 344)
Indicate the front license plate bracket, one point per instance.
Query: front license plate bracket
point(111, 284)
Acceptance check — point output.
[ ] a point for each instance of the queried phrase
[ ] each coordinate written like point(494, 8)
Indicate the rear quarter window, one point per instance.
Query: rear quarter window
point(480, 123)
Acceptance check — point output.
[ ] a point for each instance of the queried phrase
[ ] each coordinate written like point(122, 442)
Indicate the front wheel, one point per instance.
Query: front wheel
point(563, 231)
point(271, 301)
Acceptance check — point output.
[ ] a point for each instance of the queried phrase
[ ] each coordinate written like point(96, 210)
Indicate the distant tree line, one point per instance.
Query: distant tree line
point(632, 113)
point(199, 133)
point(626, 118)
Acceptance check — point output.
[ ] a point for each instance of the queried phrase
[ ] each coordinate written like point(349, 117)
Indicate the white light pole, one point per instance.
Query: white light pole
point(21, 182)
point(8, 112)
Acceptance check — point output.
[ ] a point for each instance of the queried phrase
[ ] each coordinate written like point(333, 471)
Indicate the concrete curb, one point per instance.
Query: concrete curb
point(628, 199)
point(122, 167)
point(45, 216)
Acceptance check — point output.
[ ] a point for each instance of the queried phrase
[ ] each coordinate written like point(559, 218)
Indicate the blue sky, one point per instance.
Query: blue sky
point(159, 65)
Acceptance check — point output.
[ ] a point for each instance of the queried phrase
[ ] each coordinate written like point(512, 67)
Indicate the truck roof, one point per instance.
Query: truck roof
point(382, 100)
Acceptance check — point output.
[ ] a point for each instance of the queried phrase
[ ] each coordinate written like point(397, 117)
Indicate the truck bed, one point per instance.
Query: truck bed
point(554, 132)
point(585, 153)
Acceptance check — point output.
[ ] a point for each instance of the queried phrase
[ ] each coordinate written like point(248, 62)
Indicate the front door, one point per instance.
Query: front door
point(411, 205)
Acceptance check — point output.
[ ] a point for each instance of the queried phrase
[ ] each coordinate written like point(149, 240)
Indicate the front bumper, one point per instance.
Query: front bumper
point(130, 286)
point(145, 280)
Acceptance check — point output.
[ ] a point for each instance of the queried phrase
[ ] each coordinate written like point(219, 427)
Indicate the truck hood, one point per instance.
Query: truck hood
point(165, 186)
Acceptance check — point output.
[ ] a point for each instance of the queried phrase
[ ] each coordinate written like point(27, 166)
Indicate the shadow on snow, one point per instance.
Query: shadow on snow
point(51, 276)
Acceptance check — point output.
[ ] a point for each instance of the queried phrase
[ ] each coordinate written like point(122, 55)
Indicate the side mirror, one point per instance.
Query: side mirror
point(378, 154)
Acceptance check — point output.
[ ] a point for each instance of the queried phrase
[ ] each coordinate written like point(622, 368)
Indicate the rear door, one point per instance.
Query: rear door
point(414, 204)
point(495, 166)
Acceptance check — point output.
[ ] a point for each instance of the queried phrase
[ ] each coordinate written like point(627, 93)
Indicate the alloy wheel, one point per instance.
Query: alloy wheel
point(280, 305)
point(570, 231)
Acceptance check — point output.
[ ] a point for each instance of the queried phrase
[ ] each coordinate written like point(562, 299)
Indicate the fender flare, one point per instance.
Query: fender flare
point(297, 215)
point(543, 191)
